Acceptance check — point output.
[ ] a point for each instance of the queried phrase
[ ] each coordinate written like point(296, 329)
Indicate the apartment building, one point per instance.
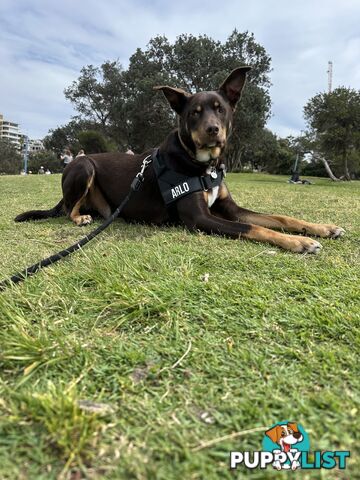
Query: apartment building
point(10, 131)
point(36, 146)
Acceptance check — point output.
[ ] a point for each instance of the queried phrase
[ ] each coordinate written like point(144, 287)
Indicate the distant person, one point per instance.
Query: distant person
point(67, 157)
point(81, 153)
point(41, 170)
point(295, 178)
point(47, 172)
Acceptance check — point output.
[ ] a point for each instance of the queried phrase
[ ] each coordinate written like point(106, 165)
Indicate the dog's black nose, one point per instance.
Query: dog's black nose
point(212, 130)
point(297, 435)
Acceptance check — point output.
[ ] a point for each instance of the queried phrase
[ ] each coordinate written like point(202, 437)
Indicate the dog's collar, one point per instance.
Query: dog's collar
point(187, 149)
point(212, 161)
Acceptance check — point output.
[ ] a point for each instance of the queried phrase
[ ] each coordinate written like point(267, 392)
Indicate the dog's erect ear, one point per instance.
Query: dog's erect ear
point(293, 426)
point(233, 85)
point(274, 433)
point(175, 96)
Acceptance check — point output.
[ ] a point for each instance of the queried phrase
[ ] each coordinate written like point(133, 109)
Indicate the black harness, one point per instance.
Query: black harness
point(174, 185)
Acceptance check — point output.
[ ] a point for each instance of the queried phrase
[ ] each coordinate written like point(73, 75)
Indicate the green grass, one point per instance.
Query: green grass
point(91, 382)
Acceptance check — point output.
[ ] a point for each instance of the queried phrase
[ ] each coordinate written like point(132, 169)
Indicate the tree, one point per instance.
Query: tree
point(65, 136)
point(261, 153)
point(148, 116)
point(97, 92)
point(92, 142)
point(334, 130)
point(10, 158)
point(272, 154)
point(316, 162)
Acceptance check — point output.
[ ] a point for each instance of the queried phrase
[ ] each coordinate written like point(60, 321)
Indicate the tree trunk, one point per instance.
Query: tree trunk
point(346, 167)
point(233, 160)
point(328, 170)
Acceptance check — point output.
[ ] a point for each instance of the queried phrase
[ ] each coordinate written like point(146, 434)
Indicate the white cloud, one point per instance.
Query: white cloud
point(43, 45)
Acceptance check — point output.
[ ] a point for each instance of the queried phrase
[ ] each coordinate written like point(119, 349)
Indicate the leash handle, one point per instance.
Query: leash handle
point(27, 272)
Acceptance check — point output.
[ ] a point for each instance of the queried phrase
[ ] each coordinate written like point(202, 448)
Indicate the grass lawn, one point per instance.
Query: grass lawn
point(121, 362)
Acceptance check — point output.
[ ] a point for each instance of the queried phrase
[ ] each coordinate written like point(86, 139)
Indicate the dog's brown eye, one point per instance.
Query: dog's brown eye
point(283, 433)
point(195, 113)
point(290, 431)
point(220, 109)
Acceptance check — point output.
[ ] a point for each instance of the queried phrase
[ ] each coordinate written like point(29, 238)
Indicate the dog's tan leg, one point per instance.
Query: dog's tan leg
point(225, 207)
point(291, 224)
point(98, 202)
point(293, 243)
point(75, 216)
point(196, 216)
point(78, 219)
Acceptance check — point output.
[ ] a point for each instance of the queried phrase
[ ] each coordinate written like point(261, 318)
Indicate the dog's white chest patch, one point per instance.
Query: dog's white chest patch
point(213, 193)
point(212, 196)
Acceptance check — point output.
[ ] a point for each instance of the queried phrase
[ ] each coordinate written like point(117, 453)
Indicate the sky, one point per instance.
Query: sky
point(45, 43)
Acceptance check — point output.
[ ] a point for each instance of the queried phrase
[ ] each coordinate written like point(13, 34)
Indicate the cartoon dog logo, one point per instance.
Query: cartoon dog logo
point(286, 436)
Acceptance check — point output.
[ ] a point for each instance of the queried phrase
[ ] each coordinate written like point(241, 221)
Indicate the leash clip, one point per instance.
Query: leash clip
point(147, 160)
point(139, 178)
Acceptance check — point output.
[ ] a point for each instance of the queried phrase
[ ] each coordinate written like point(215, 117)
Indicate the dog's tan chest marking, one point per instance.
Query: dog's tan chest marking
point(212, 196)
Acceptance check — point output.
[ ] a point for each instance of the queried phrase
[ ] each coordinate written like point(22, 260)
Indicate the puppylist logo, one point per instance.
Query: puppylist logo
point(286, 446)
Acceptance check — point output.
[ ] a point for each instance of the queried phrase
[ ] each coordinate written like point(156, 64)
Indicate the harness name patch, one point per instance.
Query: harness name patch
point(180, 190)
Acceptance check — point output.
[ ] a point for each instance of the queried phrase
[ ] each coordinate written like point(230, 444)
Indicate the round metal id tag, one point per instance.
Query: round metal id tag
point(213, 175)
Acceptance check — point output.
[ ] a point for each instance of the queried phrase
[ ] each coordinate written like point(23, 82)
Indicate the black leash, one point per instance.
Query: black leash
point(135, 186)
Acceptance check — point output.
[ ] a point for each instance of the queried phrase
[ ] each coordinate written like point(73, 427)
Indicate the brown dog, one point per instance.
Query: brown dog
point(188, 161)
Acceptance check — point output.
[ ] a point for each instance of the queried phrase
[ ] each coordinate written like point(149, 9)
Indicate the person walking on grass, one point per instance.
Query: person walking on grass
point(67, 157)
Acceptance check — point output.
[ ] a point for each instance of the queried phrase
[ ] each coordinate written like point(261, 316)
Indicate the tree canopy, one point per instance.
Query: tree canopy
point(334, 129)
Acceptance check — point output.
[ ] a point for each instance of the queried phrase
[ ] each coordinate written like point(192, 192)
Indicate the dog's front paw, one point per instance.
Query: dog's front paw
point(334, 232)
point(327, 231)
point(82, 220)
point(304, 245)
